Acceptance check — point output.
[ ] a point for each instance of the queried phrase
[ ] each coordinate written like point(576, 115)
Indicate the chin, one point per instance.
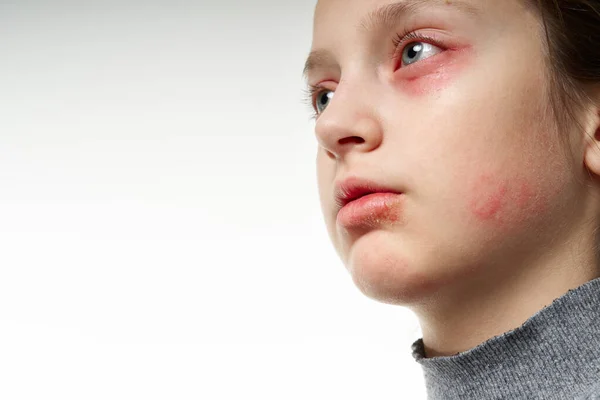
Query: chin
point(387, 274)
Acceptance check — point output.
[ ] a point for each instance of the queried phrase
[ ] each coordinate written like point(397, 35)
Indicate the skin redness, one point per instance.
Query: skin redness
point(504, 202)
point(433, 73)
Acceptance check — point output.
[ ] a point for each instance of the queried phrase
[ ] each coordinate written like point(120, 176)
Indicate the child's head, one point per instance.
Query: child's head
point(484, 114)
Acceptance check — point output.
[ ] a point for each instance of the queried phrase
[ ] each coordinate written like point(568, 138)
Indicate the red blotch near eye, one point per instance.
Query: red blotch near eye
point(434, 73)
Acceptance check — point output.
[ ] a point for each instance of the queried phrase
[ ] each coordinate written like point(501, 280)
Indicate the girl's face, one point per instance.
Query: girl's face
point(445, 101)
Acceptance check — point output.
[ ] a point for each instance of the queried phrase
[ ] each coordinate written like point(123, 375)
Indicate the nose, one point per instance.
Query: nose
point(350, 123)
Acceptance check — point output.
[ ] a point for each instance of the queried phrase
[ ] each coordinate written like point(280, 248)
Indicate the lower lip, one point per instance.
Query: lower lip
point(370, 211)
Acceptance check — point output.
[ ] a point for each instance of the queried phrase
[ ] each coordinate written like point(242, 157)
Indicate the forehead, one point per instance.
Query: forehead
point(347, 9)
point(344, 16)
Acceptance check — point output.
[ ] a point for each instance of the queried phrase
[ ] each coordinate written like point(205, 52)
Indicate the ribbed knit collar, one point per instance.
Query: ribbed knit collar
point(554, 353)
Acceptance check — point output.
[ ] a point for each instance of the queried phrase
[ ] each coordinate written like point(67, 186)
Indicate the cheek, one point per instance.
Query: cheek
point(504, 202)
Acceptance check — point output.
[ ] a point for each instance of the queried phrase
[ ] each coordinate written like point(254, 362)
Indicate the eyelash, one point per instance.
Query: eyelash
point(400, 41)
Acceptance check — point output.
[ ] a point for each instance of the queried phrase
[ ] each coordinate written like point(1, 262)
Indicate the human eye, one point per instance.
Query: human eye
point(319, 98)
point(413, 47)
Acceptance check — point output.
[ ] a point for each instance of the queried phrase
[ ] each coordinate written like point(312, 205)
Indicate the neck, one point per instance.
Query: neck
point(465, 314)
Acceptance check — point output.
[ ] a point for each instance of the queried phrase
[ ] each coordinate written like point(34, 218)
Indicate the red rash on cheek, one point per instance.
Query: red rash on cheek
point(503, 201)
point(489, 198)
point(433, 73)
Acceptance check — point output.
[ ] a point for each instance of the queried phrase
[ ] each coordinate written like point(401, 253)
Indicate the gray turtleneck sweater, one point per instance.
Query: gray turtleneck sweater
point(555, 354)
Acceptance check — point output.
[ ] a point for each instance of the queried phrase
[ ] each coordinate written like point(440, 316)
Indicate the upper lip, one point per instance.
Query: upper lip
point(352, 188)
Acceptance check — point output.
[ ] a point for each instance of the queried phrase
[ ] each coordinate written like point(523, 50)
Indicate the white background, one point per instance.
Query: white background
point(161, 234)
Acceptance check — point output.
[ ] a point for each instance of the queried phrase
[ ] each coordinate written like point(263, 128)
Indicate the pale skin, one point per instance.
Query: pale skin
point(496, 220)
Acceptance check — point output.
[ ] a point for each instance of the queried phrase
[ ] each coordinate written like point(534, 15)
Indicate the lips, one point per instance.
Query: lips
point(354, 188)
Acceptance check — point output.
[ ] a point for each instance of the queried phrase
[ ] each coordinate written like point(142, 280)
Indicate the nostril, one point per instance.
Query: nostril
point(356, 139)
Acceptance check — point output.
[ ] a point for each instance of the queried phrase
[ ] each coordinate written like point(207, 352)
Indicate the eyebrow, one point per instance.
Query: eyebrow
point(386, 16)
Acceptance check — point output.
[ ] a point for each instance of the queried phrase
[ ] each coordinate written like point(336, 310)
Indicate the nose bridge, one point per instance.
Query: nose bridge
point(351, 118)
point(354, 93)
